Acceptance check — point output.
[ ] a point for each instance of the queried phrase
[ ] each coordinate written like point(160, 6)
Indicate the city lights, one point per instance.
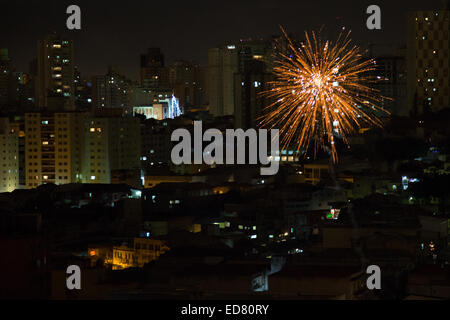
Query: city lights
point(187, 152)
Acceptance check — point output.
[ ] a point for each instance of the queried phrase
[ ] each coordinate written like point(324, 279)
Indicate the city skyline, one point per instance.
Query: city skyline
point(102, 41)
point(129, 172)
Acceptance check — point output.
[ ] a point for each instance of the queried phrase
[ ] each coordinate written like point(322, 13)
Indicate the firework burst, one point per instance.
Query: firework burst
point(321, 92)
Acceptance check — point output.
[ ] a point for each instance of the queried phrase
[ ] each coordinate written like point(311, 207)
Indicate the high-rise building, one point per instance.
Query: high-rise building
point(428, 60)
point(156, 143)
point(224, 63)
point(111, 90)
point(9, 158)
point(188, 83)
point(112, 145)
point(154, 73)
point(53, 148)
point(74, 147)
point(17, 126)
point(83, 92)
point(391, 71)
point(55, 88)
point(248, 86)
point(14, 86)
point(5, 71)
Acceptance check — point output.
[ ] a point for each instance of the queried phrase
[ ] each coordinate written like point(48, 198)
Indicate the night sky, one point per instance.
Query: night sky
point(117, 32)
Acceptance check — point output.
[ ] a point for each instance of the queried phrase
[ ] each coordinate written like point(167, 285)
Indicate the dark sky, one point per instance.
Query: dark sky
point(116, 32)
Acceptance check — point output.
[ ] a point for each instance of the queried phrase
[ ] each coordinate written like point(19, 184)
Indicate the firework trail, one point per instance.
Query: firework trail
point(322, 91)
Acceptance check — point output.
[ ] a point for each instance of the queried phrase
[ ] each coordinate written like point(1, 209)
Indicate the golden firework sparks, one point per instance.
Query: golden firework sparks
point(321, 92)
